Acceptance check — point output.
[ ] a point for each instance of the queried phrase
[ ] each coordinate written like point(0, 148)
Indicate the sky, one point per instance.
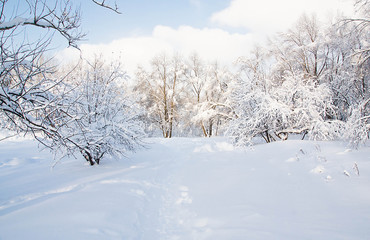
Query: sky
point(218, 30)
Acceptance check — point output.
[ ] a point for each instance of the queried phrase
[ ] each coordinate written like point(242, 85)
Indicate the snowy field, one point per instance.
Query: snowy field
point(186, 188)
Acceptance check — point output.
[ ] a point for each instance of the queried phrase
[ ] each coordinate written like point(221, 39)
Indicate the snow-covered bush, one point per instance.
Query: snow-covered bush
point(271, 109)
point(99, 120)
point(357, 128)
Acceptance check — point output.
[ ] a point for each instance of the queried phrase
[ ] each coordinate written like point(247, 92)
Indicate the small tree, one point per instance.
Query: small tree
point(98, 119)
point(213, 109)
point(161, 90)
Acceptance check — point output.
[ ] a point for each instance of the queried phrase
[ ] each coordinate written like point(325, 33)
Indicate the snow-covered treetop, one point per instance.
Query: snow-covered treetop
point(58, 15)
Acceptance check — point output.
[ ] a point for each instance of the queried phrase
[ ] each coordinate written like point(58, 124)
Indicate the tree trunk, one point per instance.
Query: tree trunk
point(210, 129)
point(267, 136)
point(87, 156)
point(170, 130)
point(204, 129)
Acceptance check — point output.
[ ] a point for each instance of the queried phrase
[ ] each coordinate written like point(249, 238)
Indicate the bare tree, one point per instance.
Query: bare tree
point(302, 49)
point(361, 27)
point(161, 88)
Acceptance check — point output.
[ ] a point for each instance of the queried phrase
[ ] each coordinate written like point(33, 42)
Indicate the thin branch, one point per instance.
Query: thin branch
point(103, 4)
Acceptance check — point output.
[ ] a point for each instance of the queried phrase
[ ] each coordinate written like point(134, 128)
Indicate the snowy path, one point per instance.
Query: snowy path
point(188, 189)
point(216, 195)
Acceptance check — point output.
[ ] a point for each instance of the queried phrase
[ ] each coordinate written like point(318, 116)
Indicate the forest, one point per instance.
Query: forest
point(311, 81)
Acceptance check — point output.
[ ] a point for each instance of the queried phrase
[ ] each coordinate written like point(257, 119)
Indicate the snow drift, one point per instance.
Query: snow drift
point(185, 188)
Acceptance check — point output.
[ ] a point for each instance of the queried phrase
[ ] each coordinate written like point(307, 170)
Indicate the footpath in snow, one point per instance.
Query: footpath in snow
point(188, 188)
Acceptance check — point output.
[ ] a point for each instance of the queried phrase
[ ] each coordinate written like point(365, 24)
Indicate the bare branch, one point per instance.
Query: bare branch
point(103, 4)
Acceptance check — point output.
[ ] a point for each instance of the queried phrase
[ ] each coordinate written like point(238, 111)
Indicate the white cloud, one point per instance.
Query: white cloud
point(270, 16)
point(261, 18)
point(210, 44)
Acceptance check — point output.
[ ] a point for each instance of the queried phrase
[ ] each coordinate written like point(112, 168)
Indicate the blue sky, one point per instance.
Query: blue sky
point(140, 17)
point(218, 30)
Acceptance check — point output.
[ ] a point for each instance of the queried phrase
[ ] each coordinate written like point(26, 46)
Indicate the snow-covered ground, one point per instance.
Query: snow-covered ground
point(186, 188)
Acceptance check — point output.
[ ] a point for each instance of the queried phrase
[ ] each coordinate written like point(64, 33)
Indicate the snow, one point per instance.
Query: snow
point(22, 21)
point(12, 23)
point(188, 188)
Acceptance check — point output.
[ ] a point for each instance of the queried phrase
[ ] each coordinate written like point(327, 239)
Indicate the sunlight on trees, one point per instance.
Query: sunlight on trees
point(310, 81)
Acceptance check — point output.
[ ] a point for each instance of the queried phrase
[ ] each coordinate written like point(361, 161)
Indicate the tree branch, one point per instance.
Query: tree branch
point(103, 4)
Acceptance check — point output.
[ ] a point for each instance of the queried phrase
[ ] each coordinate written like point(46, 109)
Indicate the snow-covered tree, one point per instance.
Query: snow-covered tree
point(252, 101)
point(98, 119)
point(348, 72)
point(27, 103)
point(161, 91)
point(362, 24)
point(302, 48)
point(309, 104)
point(357, 128)
point(358, 124)
point(28, 100)
point(317, 83)
point(196, 78)
point(212, 108)
point(274, 108)
point(184, 92)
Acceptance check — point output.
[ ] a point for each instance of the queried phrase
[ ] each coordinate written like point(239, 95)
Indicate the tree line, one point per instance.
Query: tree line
point(311, 81)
